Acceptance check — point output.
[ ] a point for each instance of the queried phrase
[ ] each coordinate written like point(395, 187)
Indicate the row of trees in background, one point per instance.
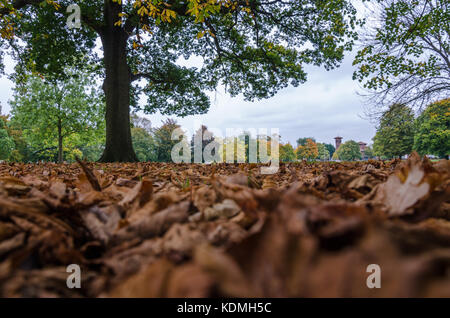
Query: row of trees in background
point(156, 144)
point(399, 132)
point(33, 134)
point(50, 121)
point(58, 120)
point(53, 125)
point(309, 149)
point(46, 132)
point(55, 119)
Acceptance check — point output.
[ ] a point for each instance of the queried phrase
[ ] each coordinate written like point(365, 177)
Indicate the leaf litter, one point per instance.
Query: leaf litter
point(225, 230)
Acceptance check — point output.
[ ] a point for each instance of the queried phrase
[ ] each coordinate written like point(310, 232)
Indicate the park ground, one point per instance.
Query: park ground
point(187, 230)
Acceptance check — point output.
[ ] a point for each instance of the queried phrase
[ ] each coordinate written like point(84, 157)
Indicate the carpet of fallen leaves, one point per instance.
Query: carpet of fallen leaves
point(185, 230)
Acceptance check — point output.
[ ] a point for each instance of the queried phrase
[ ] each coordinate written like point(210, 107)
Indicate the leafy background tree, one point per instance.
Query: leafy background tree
point(244, 142)
point(432, 135)
point(287, 153)
point(6, 142)
point(395, 132)
point(323, 153)
point(368, 152)
point(141, 122)
point(143, 144)
point(348, 151)
point(143, 141)
point(264, 146)
point(59, 114)
point(303, 141)
point(250, 47)
point(308, 151)
point(248, 141)
point(204, 137)
point(404, 58)
point(163, 140)
point(331, 149)
point(14, 131)
point(238, 146)
point(21, 150)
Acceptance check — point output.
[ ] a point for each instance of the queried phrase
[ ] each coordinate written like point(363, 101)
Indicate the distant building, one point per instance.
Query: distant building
point(362, 148)
point(338, 141)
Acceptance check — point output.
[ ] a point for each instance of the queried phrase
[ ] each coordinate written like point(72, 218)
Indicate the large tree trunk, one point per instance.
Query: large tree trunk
point(116, 86)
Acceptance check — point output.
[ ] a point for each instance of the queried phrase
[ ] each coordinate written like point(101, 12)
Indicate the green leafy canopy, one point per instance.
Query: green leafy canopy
point(251, 47)
point(432, 135)
point(348, 151)
point(395, 132)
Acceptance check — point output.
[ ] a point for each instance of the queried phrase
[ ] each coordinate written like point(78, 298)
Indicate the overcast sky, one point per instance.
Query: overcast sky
point(325, 106)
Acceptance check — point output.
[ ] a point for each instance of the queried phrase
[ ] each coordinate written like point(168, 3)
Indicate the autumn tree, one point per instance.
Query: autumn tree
point(348, 151)
point(250, 148)
point(302, 141)
point(245, 147)
point(251, 47)
point(287, 153)
point(58, 113)
point(236, 146)
point(404, 58)
point(432, 134)
point(308, 151)
point(395, 132)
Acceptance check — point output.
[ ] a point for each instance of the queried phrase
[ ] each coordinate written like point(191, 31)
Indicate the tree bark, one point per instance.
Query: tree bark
point(119, 147)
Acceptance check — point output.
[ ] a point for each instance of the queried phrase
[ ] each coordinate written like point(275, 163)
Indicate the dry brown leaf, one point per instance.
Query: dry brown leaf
point(226, 209)
point(142, 192)
point(90, 176)
point(309, 230)
point(154, 225)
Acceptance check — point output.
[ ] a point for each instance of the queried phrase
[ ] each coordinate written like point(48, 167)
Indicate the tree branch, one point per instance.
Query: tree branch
point(18, 4)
